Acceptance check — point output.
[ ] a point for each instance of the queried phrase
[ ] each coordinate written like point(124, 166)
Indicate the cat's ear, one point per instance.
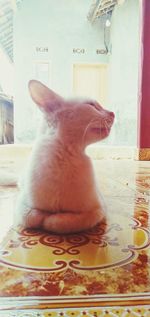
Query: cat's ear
point(45, 98)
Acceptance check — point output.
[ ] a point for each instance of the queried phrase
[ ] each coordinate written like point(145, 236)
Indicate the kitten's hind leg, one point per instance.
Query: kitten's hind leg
point(27, 216)
point(70, 222)
point(61, 222)
point(34, 219)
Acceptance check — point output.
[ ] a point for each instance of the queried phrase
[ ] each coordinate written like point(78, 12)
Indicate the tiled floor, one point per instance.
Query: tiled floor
point(102, 272)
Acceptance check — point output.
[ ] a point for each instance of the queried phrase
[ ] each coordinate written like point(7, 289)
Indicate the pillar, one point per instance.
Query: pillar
point(144, 84)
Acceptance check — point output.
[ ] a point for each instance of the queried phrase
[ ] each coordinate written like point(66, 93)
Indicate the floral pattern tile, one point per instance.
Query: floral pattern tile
point(105, 265)
point(137, 311)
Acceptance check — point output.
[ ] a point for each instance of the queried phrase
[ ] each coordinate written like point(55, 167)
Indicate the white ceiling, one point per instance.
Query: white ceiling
point(101, 7)
point(7, 8)
point(6, 27)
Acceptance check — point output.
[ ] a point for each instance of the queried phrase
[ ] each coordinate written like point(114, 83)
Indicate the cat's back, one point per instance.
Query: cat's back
point(59, 176)
point(52, 162)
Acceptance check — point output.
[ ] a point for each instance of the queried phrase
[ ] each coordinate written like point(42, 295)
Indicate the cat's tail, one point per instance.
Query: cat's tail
point(8, 178)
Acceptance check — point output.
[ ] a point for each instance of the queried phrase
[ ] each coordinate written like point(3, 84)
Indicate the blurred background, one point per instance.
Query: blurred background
point(76, 47)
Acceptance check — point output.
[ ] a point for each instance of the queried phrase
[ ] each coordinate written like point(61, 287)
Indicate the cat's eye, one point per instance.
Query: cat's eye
point(95, 105)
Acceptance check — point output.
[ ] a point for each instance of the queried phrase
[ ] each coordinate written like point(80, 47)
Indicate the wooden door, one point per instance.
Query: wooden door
point(91, 80)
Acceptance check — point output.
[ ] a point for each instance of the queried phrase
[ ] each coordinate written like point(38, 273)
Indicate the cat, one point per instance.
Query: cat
point(59, 193)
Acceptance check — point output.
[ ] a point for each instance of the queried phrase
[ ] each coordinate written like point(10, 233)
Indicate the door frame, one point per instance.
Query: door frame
point(86, 64)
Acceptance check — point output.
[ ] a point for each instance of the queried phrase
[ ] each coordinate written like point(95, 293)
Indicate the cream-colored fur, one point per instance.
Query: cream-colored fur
point(59, 192)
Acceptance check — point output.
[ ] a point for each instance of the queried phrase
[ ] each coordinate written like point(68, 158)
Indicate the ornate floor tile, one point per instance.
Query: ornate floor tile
point(137, 311)
point(107, 268)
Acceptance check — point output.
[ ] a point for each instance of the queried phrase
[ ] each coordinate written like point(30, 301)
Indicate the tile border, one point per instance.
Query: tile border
point(117, 311)
point(143, 154)
point(21, 151)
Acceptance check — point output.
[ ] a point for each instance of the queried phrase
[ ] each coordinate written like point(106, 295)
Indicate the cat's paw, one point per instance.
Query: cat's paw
point(61, 222)
point(34, 219)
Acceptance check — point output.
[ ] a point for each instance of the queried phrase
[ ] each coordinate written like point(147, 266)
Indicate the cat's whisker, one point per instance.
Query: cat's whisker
point(100, 129)
point(106, 125)
point(84, 133)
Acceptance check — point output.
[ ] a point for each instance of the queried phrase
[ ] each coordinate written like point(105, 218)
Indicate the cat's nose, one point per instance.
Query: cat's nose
point(112, 115)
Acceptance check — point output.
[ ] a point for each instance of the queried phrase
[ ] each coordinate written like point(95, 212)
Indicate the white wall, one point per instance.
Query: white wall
point(124, 61)
point(6, 74)
point(60, 26)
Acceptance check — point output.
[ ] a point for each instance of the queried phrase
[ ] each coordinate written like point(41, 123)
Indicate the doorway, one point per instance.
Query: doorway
point(91, 80)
